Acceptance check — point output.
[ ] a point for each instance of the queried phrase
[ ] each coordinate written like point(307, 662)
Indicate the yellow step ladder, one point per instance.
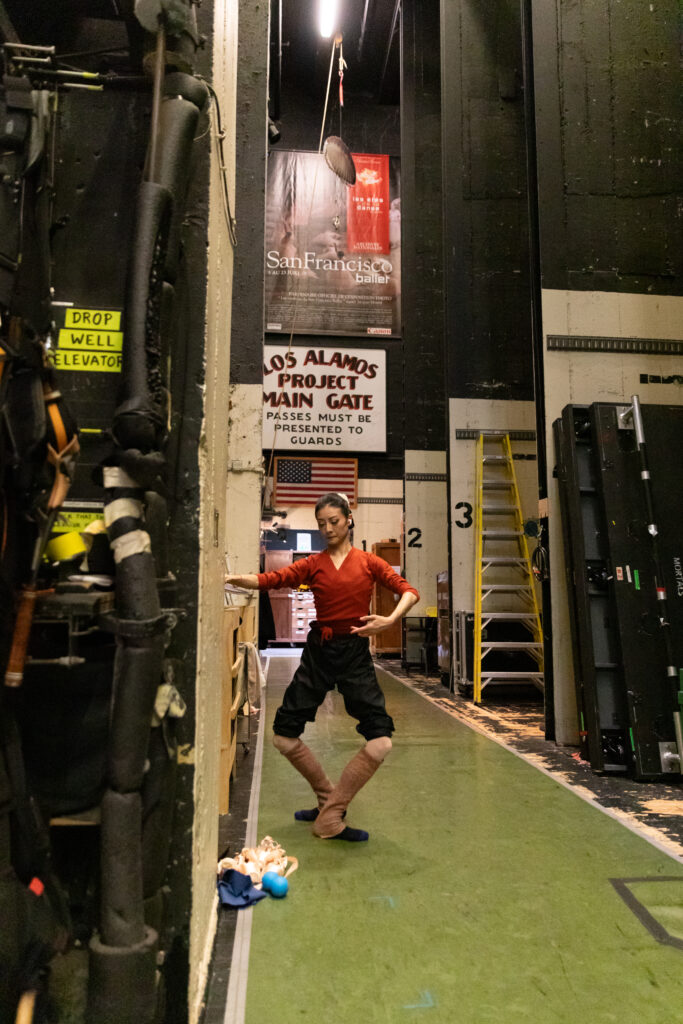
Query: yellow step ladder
point(504, 582)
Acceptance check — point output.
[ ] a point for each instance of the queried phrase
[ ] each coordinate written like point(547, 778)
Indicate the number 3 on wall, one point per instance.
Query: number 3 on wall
point(414, 535)
point(466, 515)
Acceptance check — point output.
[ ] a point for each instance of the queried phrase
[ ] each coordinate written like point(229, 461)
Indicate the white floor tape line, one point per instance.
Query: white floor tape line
point(236, 1002)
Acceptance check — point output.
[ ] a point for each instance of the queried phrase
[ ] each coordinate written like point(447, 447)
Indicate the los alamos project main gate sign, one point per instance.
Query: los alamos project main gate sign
point(331, 399)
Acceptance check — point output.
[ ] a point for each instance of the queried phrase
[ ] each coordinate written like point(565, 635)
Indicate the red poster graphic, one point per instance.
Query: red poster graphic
point(367, 215)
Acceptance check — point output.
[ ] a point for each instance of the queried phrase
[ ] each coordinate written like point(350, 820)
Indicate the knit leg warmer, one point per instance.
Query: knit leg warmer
point(358, 771)
point(307, 764)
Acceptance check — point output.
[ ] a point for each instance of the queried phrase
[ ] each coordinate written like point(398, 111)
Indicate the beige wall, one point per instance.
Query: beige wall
point(245, 477)
point(376, 517)
point(426, 524)
point(213, 459)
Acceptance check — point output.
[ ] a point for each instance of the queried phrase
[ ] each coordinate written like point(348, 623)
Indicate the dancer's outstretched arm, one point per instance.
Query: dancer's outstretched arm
point(249, 580)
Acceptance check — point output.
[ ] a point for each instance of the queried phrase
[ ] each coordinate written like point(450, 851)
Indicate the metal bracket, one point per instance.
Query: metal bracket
point(625, 417)
point(670, 758)
point(139, 629)
point(236, 466)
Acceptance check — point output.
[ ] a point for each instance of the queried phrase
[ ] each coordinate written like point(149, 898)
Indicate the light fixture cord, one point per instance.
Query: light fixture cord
point(327, 95)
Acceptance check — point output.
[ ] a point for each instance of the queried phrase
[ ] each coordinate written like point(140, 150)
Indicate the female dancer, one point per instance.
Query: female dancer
point(336, 653)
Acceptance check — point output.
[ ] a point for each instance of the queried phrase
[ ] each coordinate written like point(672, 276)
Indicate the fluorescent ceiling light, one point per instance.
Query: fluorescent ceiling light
point(328, 14)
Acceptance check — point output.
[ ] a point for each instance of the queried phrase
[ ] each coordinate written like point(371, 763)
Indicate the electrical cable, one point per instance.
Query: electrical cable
point(539, 563)
point(3, 543)
point(63, 58)
point(219, 137)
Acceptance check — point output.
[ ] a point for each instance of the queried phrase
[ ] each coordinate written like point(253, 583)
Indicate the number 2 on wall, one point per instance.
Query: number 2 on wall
point(466, 515)
point(414, 535)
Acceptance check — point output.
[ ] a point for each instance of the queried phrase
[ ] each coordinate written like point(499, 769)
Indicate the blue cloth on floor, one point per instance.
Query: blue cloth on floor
point(237, 890)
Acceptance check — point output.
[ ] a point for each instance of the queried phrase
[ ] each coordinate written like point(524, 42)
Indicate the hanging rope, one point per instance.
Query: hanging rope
point(342, 66)
point(327, 95)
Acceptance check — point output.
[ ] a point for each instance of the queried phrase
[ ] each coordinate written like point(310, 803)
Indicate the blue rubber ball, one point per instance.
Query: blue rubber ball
point(275, 884)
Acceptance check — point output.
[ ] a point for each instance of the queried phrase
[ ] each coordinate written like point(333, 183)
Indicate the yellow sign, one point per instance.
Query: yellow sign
point(93, 319)
point(91, 339)
point(101, 341)
point(104, 362)
point(75, 521)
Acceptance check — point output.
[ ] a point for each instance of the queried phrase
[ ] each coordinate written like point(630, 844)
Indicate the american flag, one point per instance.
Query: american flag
point(303, 481)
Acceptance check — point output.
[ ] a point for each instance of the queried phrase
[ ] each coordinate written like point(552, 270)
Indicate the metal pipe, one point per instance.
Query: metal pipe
point(639, 429)
point(23, 53)
point(537, 341)
point(638, 420)
point(363, 27)
point(63, 78)
point(68, 661)
point(30, 49)
point(159, 67)
point(387, 55)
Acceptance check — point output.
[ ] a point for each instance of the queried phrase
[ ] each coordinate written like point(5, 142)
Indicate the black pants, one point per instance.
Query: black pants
point(344, 662)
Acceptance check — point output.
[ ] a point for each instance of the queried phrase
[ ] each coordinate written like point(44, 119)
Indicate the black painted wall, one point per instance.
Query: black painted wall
point(485, 214)
point(246, 344)
point(609, 108)
point(421, 227)
point(367, 127)
point(91, 240)
point(609, 117)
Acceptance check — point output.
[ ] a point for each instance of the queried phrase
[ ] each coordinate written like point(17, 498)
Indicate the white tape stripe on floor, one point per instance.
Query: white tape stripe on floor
point(236, 1002)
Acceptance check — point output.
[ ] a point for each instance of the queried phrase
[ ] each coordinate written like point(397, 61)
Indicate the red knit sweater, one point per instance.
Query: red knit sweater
point(341, 595)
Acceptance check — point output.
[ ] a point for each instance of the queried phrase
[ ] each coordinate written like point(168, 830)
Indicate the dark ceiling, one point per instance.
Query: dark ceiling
point(370, 30)
point(49, 22)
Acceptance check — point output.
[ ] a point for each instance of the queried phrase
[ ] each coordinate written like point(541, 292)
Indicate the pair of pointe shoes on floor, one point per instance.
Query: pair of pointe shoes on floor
point(328, 816)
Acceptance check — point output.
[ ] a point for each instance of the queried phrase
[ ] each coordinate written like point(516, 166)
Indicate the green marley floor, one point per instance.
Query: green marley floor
point(483, 895)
